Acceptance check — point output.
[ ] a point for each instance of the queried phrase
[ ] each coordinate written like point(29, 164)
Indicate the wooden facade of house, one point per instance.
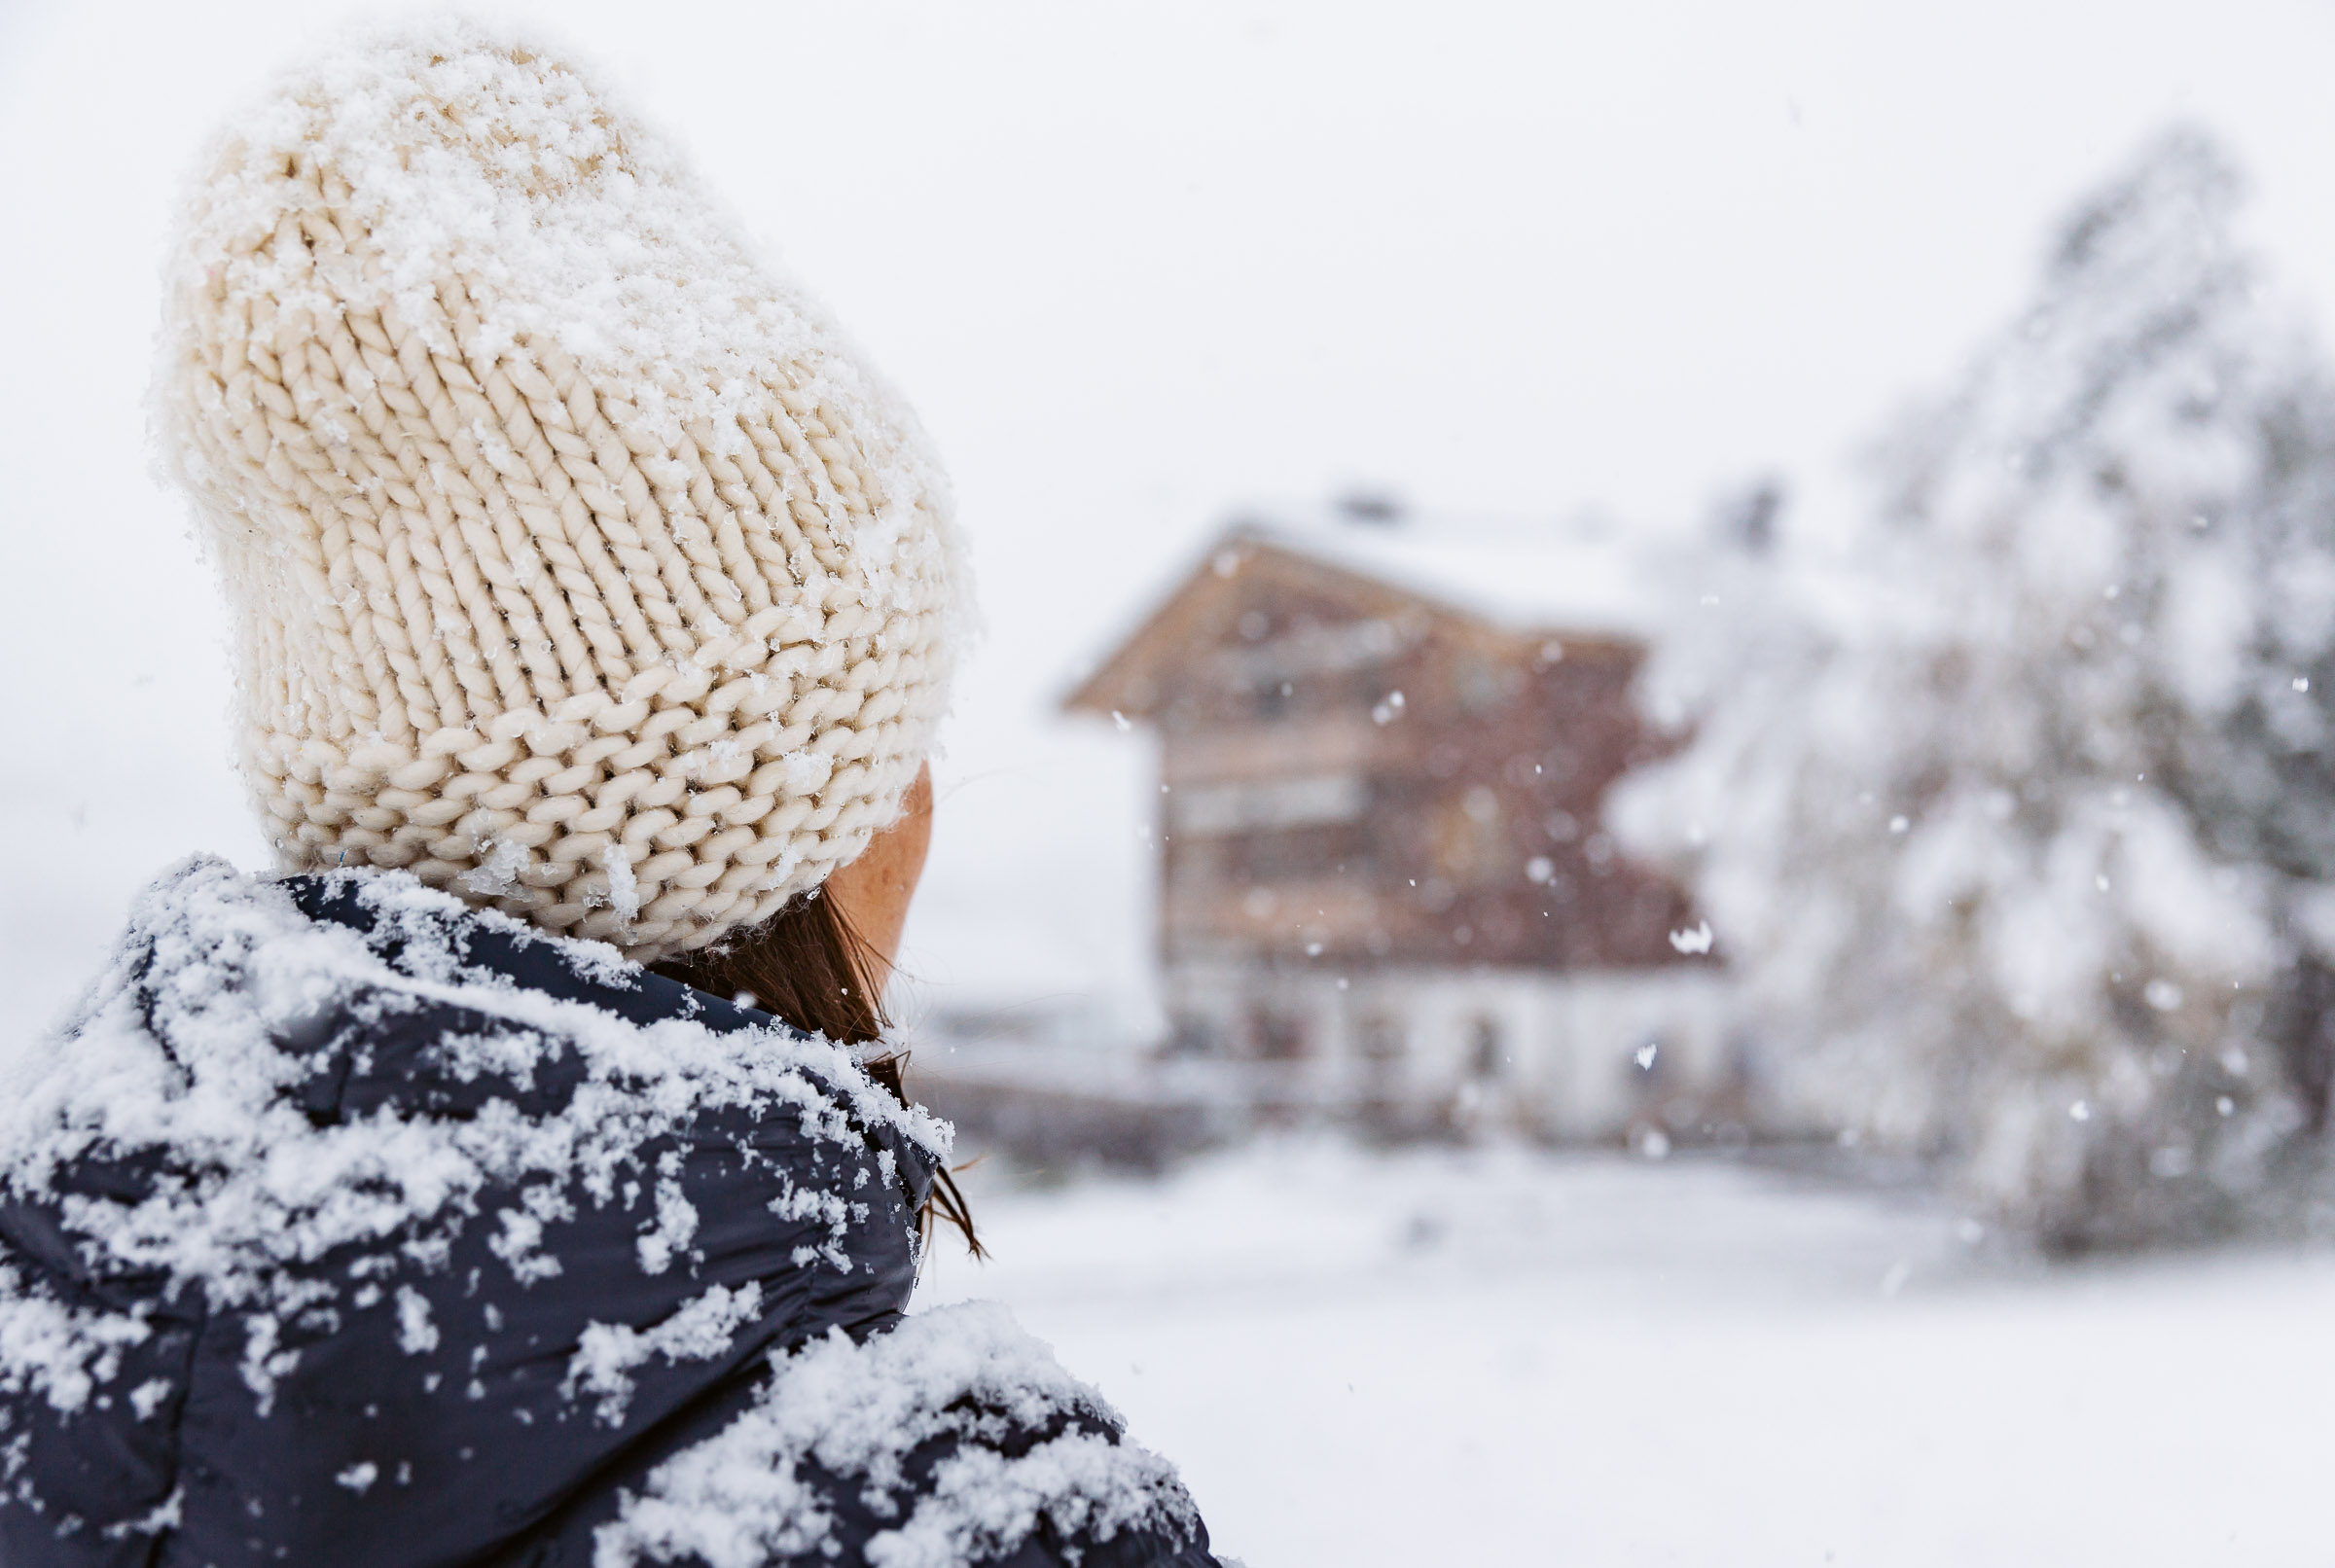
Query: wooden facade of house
point(1382, 863)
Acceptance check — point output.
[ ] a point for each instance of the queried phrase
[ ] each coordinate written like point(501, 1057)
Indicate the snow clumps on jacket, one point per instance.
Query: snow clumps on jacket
point(348, 1224)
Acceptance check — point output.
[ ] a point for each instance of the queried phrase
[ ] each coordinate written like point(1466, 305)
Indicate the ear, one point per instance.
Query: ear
point(873, 890)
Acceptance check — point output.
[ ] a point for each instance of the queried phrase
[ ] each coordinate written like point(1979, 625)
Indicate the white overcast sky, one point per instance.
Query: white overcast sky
point(1136, 263)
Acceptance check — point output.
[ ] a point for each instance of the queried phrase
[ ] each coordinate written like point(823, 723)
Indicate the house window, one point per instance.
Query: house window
point(1384, 1039)
point(1267, 804)
point(1470, 840)
point(1486, 1052)
point(1305, 854)
point(1189, 1034)
point(1381, 1041)
point(1484, 687)
point(1275, 1035)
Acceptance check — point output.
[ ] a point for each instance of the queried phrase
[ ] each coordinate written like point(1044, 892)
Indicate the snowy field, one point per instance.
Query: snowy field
point(1503, 1357)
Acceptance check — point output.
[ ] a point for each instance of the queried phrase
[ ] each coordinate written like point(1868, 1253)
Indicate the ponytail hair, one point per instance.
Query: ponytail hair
point(807, 967)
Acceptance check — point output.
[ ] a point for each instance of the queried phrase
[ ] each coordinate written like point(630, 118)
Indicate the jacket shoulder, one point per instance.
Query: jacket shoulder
point(955, 1438)
point(353, 1217)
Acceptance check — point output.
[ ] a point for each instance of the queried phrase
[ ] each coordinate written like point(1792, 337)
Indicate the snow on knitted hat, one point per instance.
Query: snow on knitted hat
point(577, 564)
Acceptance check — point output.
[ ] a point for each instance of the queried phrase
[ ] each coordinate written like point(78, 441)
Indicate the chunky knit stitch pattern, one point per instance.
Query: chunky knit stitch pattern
point(576, 563)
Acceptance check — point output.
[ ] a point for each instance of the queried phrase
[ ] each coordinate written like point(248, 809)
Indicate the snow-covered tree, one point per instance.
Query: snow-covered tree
point(2016, 816)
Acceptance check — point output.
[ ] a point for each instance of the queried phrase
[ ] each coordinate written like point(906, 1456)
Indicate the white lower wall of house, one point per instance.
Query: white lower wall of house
point(1563, 1046)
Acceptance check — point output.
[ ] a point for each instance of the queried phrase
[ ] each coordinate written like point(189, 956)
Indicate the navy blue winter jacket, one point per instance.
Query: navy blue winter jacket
point(349, 1227)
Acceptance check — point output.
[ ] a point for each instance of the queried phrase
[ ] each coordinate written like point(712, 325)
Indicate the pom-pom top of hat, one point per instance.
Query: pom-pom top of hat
point(576, 563)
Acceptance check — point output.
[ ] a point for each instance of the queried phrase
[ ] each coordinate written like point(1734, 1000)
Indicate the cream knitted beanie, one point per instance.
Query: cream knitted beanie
point(576, 563)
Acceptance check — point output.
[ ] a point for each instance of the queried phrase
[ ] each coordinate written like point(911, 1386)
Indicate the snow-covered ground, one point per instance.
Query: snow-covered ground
point(1499, 1356)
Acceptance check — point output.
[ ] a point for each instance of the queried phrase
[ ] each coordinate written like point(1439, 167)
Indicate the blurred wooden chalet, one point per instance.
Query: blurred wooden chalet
point(1384, 882)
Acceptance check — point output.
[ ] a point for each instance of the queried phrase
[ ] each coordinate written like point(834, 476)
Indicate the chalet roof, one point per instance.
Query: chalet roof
point(1523, 574)
point(1535, 577)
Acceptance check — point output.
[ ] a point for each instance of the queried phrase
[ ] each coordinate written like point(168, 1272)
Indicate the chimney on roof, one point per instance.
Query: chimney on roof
point(1375, 508)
